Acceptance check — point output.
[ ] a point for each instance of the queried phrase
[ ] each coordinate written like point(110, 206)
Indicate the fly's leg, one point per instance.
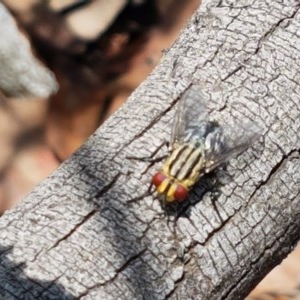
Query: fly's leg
point(214, 182)
point(170, 211)
point(151, 160)
point(150, 191)
point(141, 197)
point(214, 199)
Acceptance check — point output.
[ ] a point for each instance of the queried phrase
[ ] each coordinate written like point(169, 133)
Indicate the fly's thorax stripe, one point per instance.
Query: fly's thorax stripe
point(192, 165)
point(198, 169)
point(179, 159)
point(173, 158)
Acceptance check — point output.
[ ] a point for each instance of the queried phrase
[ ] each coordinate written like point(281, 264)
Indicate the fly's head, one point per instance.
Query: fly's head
point(170, 189)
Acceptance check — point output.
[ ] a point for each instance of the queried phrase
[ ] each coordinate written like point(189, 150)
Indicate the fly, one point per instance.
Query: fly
point(199, 144)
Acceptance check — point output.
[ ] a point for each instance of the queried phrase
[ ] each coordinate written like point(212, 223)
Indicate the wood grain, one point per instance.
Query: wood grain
point(90, 231)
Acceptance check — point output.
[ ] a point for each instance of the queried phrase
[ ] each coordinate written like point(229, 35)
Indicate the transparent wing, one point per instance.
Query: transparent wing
point(233, 141)
point(194, 122)
point(191, 111)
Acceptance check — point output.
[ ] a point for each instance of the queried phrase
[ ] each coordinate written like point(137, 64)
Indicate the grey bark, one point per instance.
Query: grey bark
point(21, 74)
point(90, 231)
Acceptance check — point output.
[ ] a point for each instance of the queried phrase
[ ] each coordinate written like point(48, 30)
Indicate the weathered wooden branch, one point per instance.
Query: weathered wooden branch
point(90, 231)
point(21, 74)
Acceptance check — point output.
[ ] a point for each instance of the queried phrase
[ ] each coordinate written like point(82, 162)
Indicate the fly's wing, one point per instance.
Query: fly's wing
point(194, 121)
point(233, 141)
point(191, 111)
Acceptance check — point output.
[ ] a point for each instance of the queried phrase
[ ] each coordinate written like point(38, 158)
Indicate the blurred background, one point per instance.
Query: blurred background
point(99, 52)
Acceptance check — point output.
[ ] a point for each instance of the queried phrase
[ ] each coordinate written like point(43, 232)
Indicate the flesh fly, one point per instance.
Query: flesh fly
point(199, 143)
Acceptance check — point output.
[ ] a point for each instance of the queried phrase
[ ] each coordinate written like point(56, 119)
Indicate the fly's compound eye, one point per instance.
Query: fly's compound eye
point(158, 178)
point(180, 193)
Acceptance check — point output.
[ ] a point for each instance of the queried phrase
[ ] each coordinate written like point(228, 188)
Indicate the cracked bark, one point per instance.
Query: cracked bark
point(81, 234)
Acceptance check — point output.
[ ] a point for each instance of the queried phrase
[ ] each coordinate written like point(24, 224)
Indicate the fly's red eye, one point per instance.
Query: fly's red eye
point(158, 178)
point(180, 193)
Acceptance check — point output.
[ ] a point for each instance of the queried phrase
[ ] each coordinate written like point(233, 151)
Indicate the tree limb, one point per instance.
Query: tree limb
point(90, 231)
point(21, 74)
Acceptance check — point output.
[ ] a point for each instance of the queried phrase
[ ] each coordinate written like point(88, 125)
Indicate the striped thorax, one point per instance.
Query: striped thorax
point(180, 171)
